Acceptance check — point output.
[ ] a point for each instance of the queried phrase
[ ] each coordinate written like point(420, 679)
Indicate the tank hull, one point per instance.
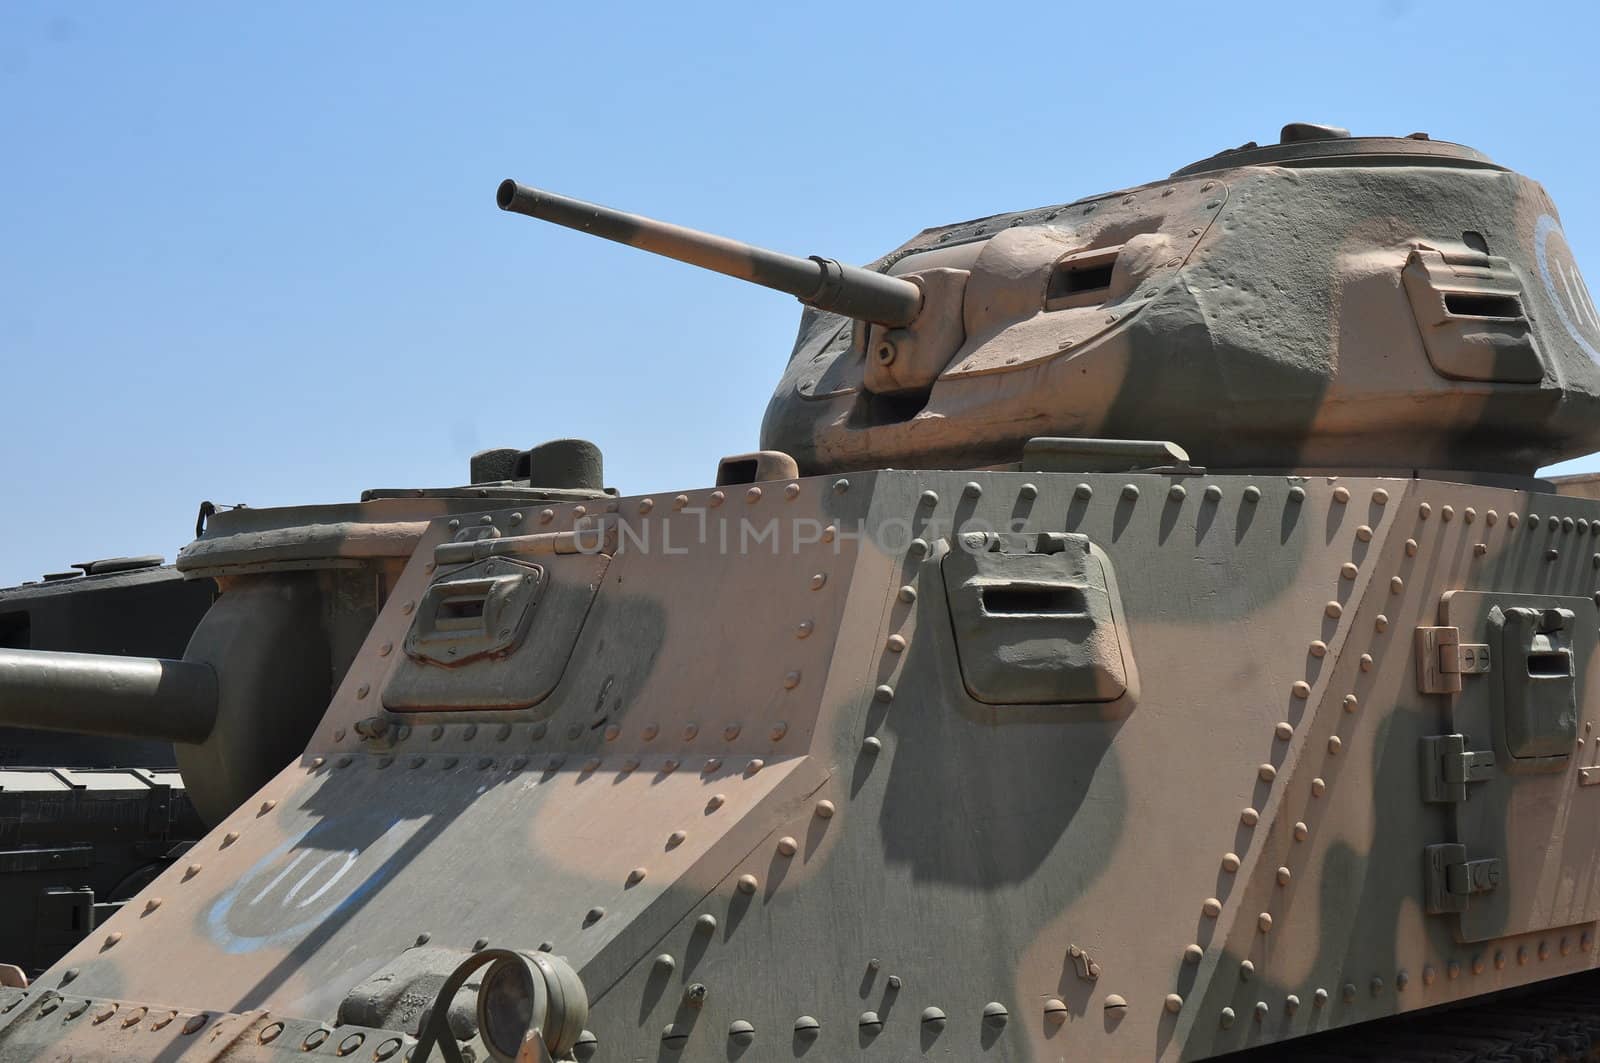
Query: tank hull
point(772, 708)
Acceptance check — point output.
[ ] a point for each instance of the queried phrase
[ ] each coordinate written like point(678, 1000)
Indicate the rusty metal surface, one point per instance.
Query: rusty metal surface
point(1117, 757)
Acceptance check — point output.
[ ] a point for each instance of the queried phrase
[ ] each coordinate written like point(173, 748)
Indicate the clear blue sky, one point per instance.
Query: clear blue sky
point(250, 252)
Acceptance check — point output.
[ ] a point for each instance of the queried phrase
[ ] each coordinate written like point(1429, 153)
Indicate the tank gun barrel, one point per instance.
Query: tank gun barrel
point(102, 694)
point(824, 283)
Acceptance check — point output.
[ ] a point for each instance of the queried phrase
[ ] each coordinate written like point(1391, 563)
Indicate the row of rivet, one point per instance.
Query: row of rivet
point(1401, 980)
point(162, 1018)
point(379, 726)
point(1283, 731)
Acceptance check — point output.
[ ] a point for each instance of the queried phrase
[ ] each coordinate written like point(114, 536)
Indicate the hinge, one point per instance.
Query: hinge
point(1448, 766)
point(1451, 878)
point(1442, 659)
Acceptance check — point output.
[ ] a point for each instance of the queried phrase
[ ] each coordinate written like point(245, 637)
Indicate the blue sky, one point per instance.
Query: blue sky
point(250, 253)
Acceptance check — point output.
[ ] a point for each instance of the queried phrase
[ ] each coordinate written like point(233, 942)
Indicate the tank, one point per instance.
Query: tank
point(1141, 634)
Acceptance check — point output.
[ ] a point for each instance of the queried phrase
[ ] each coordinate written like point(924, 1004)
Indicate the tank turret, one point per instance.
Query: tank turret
point(1327, 302)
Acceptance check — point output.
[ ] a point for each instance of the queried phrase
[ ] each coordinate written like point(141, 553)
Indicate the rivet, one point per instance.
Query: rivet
point(972, 489)
point(1213, 493)
point(840, 486)
point(1565, 946)
point(1396, 585)
point(1429, 974)
point(885, 692)
point(1452, 970)
point(1490, 517)
point(1351, 703)
point(1522, 955)
point(1267, 772)
point(1230, 862)
point(1469, 514)
point(715, 802)
point(1177, 492)
point(1249, 817)
point(590, 765)
point(1318, 648)
point(806, 1026)
point(1130, 491)
point(716, 498)
point(612, 732)
point(1173, 1003)
point(1284, 876)
point(1211, 908)
point(1301, 832)
point(825, 809)
point(1297, 493)
point(1333, 610)
point(1318, 787)
point(1301, 689)
point(917, 547)
point(930, 498)
point(151, 905)
point(1284, 731)
point(1366, 662)
point(1512, 519)
point(869, 1021)
point(1083, 492)
point(1193, 954)
point(1499, 960)
point(830, 532)
point(1264, 922)
point(908, 593)
point(1349, 570)
point(1291, 1004)
point(787, 846)
point(1401, 980)
point(1226, 1018)
point(1447, 513)
point(112, 938)
point(1380, 496)
point(995, 1014)
point(1552, 554)
point(1380, 624)
point(1424, 510)
point(1349, 991)
point(190, 872)
point(896, 644)
point(818, 580)
point(753, 495)
point(1376, 985)
point(1028, 491)
point(755, 765)
point(803, 629)
point(1364, 533)
point(1055, 1011)
point(406, 607)
point(1411, 548)
point(453, 525)
point(385, 649)
point(741, 1032)
point(1320, 997)
point(690, 730)
point(594, 915)
point(1335, 743)
point(871, 744)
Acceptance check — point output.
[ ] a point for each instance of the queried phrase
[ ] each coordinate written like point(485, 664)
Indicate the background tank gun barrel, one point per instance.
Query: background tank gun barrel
point(857, 293)
point(101, 694)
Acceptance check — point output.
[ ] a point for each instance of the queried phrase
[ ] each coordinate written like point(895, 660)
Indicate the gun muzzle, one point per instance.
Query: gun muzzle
point(102, 694)
point(857, 293)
